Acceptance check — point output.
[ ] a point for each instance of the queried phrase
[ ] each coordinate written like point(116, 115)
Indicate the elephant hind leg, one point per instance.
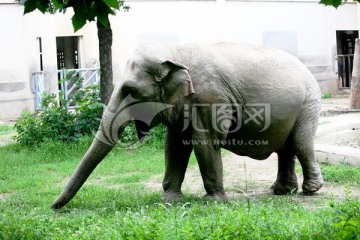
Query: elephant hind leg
point(286, 181)
point(313, 179)
point(303, 136)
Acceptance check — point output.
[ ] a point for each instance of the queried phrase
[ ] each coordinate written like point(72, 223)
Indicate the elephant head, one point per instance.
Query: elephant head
point(152, 81)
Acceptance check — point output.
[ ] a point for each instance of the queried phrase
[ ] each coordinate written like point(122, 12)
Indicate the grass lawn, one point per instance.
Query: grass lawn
point(115, 204)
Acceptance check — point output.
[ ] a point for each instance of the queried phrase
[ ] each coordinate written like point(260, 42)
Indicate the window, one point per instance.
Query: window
point(40, 54)
point(345, 41)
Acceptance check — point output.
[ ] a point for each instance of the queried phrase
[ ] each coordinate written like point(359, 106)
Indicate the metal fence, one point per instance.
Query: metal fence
point(38, 81)
point(89, 77)
point(345, 66)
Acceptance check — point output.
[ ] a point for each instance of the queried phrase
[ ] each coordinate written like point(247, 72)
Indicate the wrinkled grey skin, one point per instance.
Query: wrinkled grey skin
point(219, 73)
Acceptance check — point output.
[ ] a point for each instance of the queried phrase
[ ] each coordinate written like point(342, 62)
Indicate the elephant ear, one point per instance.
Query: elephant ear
point(175, 81)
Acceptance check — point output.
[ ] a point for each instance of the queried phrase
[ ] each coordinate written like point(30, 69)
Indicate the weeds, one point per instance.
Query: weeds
point(4, 129)
point(326, 96)
point(341, 173)
point(348, 220)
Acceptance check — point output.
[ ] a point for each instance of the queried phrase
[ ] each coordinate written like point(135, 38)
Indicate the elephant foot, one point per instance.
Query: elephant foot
point(312, 185)
point(219, 197)
point(171, 197)
point(282, 188)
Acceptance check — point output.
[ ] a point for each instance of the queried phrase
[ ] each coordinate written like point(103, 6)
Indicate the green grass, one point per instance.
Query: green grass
point(114, 204)
point(4, 129)
point(341, 173)
point(326, 95)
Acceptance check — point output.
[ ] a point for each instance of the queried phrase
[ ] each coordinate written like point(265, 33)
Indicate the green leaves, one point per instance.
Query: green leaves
point(335, 3)
point(101, 10)
point(78, 22)
point(31, 5)
point(42, 5)
point(84, 10)
point(112, 3)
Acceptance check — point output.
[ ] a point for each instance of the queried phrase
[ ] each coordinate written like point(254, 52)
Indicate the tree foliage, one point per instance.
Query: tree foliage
point(335, 3)
point(85, 10)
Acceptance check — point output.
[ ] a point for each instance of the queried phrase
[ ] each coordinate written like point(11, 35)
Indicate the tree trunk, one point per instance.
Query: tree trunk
point(105, 55)
point(355, 81)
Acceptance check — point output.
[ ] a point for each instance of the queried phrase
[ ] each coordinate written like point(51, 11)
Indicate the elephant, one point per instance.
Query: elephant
point(209, 97)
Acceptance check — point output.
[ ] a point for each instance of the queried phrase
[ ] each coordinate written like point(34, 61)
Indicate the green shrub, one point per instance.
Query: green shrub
point(129, 136)
point(157, 133)
point(56, 122)
point(89, 109)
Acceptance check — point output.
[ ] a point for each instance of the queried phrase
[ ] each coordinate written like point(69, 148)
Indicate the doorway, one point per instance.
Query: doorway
point(345, 41)
point(67, 52)
point(67, 59)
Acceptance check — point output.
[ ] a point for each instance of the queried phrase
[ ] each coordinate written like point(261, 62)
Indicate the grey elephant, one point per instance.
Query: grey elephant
point(250, 100)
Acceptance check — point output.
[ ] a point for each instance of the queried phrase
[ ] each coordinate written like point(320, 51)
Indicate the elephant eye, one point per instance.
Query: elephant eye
point(154, 74)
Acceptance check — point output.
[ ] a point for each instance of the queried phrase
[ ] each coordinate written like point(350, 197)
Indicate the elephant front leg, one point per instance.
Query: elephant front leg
point(211, 168)
point(178, 149)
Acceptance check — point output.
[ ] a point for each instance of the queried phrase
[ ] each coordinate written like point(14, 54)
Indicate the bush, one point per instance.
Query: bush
point(129, 136)
point(56, 122)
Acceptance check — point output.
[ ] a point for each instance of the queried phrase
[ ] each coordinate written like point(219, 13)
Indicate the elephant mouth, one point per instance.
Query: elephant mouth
point(115, 120)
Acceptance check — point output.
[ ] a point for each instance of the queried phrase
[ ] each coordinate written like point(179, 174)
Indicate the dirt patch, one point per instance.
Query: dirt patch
point(6, 139)
point(7, 136)
point(335, 106)
point(346, 138)
point(3, 196)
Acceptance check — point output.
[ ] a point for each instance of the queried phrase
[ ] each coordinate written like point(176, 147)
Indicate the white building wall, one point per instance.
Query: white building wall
point(20, 54)
point(15, 62)
point(304, 28)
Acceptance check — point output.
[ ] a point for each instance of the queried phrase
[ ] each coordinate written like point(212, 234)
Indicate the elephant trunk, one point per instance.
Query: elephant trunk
point(97, 152)
point(111, 127)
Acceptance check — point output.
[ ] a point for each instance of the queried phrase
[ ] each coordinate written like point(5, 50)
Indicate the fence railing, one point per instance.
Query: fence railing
point(345, 66)
point(90, 76)
point(39, 83)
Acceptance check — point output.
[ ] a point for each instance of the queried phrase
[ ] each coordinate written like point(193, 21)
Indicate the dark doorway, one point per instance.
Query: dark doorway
point(67, 58)
point(67, 52)
point(345, 55)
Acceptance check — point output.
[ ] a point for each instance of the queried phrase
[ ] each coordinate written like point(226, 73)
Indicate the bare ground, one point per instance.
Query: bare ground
point(6, 139)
